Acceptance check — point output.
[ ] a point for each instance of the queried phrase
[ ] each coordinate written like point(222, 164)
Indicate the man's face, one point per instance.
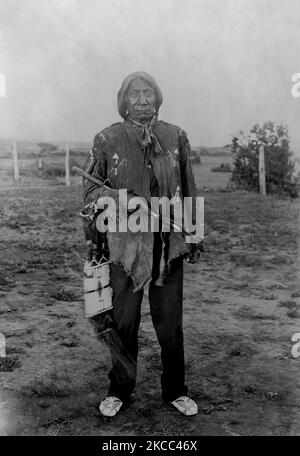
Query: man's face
point(140, 100)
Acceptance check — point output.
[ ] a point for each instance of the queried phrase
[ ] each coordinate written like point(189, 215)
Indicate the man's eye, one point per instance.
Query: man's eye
point(134, 94)
point(148, 93)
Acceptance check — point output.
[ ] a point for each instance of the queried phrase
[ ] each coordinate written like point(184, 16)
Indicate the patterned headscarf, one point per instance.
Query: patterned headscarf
point(122, 104)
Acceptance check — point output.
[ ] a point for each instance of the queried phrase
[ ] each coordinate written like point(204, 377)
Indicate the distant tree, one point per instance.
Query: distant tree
point(203, 150)
point(195, 156)
point(279, 167)
point(45, 149)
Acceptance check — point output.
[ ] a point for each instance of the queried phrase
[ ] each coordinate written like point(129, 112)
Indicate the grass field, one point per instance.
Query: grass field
point(241, 308)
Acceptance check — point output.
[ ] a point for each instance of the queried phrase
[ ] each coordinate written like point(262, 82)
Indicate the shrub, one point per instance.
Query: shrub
point(195, 157)
point(52, 171)
point(223, 168)
point(45, 148)
point(279, 167)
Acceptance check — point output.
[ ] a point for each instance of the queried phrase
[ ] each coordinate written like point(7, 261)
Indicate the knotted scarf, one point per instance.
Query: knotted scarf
point(148, 139)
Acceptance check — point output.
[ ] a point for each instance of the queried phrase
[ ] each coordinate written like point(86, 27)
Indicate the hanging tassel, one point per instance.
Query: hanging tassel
point(159, 282)
point(115, 158)
point(177, 194)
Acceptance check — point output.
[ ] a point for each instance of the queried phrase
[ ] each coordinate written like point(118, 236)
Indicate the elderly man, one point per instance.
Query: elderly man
point(147, 157)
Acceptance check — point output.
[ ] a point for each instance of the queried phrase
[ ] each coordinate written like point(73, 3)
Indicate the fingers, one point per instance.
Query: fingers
point(193, 257)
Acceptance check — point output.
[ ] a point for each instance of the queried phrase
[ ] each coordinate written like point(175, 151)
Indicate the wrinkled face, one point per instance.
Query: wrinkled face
point(140, 100)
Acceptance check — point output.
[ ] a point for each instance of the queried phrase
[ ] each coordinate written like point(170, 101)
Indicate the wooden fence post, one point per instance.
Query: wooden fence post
point(67, 165)
point(262, 174)
point(15, 158)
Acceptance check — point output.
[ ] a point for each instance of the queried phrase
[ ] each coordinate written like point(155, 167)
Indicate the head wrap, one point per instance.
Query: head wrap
point(122, 102)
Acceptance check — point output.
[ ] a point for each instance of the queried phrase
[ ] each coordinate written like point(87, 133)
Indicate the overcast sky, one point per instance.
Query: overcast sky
point(222, 65)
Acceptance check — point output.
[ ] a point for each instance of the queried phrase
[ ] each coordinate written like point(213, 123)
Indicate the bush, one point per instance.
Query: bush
point(223, 168)
point(279, 167)
point(195, 157)
point(45, 148)
point(51, 171)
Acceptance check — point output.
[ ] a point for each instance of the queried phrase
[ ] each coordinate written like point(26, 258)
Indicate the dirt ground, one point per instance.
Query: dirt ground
point(241, 308)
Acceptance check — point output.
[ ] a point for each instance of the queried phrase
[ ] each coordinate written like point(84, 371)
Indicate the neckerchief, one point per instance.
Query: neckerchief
point(148, 138)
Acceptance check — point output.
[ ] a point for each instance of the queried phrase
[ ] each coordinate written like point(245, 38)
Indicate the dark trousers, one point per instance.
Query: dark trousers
point(166, 312)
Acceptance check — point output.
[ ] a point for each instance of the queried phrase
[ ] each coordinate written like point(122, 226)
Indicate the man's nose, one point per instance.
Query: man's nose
point(142, 99)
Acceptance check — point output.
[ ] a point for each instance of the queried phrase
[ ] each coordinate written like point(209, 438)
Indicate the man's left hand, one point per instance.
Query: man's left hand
point(193, 256)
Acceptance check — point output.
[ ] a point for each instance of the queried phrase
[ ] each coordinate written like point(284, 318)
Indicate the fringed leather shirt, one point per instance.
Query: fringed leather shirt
point(146, 162)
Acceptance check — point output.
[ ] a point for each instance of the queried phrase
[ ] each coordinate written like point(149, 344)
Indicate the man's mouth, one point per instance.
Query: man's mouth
point(143, 109)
